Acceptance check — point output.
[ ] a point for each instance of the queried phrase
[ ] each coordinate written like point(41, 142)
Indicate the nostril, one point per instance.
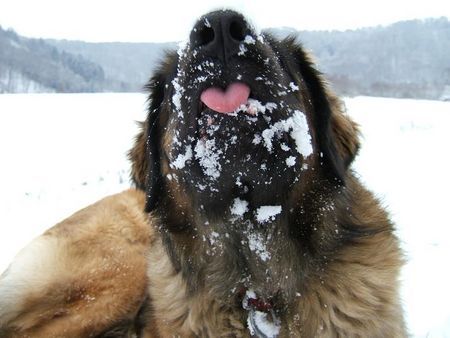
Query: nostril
point(237, 30)
point(205, 35)
point(219, 34)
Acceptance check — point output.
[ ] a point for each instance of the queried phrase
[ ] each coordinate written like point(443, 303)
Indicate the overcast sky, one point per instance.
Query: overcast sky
point(165, 20)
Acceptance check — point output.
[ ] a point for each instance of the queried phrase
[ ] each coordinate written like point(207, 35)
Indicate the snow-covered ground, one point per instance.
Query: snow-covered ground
point(61, 152)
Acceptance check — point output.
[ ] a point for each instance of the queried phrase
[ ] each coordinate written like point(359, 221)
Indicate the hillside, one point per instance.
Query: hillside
point(129, 63)
point(405, 59)
point(32, 65)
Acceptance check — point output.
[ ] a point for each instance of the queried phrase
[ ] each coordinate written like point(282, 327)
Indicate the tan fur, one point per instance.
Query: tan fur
point(137, 155)
point(88, 274)
point(96, 279)
point(174, 313)
point(355, 295)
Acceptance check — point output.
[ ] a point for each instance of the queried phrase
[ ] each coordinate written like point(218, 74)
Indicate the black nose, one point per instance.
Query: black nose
point(220, 33)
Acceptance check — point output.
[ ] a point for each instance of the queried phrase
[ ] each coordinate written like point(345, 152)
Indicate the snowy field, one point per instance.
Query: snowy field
point(62, 152)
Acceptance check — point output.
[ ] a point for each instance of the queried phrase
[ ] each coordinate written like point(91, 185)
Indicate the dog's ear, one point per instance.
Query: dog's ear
point(345, 132)
point(145, 154)
point(337, 134)
point(138, 158)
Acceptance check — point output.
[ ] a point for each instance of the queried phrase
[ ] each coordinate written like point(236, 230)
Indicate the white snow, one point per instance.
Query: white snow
point(254, 107)
point(404, 160)
point(293, 87)
point(249, 294)
point(213, 237)
point(17, 82)
point(179, 90)
point(249, 40)
point(267, 213)
point(176, 98)
point(284, 147)
point(239, 207)
point(257, 245)
point(242, 50)
point(257, 139)
point(208, 156)
point(180, 161)
point(290, 161)
point(257, 321)
point(267, 136)
point(297, 125)
point(300, 133)
point(61, 152)
point(263, 324)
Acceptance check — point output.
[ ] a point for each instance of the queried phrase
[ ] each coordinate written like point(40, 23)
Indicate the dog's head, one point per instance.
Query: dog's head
point(237, 114)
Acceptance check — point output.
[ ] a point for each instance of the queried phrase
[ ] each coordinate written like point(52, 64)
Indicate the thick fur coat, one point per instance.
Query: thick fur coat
point(249, 223)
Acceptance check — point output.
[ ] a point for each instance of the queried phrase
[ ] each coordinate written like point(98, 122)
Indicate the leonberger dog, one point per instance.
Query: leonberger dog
point(246, 219)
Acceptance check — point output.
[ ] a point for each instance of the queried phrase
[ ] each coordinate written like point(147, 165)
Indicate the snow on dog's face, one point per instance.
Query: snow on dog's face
point(235, 115)
point(236, 123)
point(241, 156)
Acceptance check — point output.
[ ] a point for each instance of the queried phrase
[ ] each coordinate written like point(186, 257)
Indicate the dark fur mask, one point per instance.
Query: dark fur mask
point(177, 130)
point(208, 175)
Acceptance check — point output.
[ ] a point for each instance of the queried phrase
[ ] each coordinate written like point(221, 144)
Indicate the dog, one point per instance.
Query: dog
point(246, 219)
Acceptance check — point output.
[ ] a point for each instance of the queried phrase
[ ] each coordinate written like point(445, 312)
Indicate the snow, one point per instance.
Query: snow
point(267, 136)
point(290, 161)
point(267, 213)
point(176, 98)
point(239, 207)
point(208, 156)
point(403, 160)
point(61, 152)
point(214, 236)
point(249, 40)
point(257, 245)
point(293, 87)
point(299, 132)
point(242, 49)
point(16, 82)
point(179, 90)
point(180, 161)
point(258, 322)
point(254, 107)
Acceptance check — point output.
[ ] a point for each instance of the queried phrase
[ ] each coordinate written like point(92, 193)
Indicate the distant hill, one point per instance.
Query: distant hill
point(405, 59)
point(32, 65)
point(129, 63)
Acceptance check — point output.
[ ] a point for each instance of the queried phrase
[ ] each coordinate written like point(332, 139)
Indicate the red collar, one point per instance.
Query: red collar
point(259, 305)
point(251, 302)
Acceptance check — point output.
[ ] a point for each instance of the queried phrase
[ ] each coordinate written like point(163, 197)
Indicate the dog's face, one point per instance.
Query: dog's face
point(255, 151)
point(241, 154)
point(258, 147)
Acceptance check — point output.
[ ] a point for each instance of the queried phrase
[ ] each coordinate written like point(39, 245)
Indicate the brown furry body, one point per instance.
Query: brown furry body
point(331, 260)
point(83, 276)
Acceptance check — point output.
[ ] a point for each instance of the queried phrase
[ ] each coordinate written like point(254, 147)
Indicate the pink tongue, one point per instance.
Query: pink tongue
point(226, 101)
